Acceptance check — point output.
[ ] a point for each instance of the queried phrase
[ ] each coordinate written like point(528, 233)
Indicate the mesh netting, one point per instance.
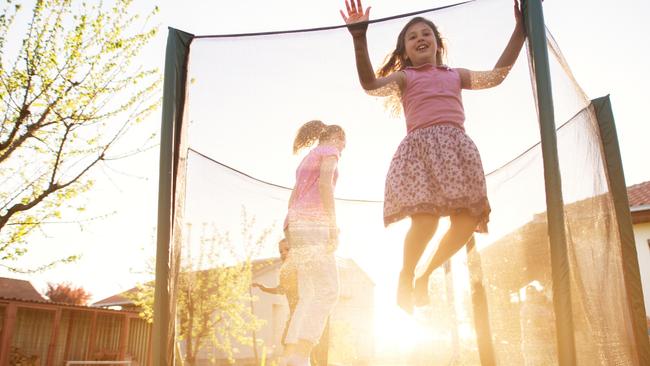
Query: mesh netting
point(247, 96)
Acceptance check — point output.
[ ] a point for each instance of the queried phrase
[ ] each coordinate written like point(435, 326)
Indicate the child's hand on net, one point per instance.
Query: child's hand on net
point(356, 19)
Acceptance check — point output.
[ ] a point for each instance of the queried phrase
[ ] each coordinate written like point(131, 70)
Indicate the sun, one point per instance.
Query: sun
point(417, 339)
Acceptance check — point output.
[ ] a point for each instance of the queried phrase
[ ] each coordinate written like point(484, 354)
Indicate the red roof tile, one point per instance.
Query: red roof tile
point(639, 194)
point(118, 299)
point(12, 288)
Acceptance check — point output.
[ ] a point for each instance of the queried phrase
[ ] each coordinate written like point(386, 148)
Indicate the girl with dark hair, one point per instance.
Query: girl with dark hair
point(436, 170)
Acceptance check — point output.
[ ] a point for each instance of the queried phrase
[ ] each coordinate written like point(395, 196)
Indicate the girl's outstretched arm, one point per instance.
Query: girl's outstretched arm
point(512, 50)
point(277, 290)
point(488, 79)
point(357, 21)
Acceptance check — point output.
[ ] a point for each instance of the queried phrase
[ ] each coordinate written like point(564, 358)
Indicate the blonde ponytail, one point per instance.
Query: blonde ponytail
point(314, 131)
point(308, 134)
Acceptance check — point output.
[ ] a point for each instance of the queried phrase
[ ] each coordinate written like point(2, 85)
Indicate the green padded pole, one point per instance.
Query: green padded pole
point(618, 189)
point(536, 31)
point(176, 57)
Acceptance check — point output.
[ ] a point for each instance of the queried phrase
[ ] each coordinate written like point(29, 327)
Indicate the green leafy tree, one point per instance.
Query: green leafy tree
point(69, 92)
point(67, 293)
point(214, 303)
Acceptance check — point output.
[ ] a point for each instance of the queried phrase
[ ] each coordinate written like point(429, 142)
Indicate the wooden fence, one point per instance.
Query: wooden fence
point(50, 334)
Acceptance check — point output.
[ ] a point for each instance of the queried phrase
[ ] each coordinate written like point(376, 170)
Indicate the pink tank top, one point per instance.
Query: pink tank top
point(307, 204)
point(432, 95)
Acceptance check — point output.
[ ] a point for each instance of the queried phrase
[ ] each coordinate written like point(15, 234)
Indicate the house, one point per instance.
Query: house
point(121, 301)
point(351, 323)
point(639, 197)
point(11, 288)
point(523, 257)
point(535, 258)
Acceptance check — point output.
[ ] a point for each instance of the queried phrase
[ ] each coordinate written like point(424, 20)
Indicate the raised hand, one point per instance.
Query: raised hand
point(356, 18)
point(519, 18)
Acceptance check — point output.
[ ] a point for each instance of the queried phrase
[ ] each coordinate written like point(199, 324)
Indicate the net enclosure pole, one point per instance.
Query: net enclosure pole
point(618, 189)
point(174, 90)
point(536, 32)
point(480, 309)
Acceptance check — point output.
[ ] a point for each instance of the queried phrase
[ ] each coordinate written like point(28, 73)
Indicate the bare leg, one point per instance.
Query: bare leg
point(423, 226)
point(304, 347)
point(461, 230)
point(301, 355)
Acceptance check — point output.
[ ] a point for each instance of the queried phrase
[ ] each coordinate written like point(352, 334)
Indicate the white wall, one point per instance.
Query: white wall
point(273, 309)
point(641, 236)
point(355, 309)
point(352, 319)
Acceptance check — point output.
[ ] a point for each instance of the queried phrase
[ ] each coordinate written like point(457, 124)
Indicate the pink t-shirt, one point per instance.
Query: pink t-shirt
point(307, 204)
point(432, 95)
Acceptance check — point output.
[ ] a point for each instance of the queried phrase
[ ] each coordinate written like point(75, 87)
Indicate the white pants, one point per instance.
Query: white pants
point(312, 257)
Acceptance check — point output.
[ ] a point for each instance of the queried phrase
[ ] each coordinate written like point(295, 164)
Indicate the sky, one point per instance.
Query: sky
point(605, 46)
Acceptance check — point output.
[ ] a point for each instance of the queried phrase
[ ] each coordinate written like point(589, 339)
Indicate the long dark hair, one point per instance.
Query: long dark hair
point(396, 61)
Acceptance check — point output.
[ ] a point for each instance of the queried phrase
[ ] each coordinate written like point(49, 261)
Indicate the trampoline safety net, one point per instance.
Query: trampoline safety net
point(245, 98)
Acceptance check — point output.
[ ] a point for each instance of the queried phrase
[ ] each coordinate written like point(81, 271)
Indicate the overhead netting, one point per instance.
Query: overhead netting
point(249, 94)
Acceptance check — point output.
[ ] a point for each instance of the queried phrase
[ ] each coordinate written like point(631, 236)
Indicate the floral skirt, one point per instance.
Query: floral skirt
point(436, 170)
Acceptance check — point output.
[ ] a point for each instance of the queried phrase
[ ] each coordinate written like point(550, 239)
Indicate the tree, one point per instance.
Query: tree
point(66, 293)
point(214, 303)
point(70, 94)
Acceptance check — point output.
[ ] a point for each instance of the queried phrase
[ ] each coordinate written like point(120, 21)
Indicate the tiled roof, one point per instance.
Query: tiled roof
point(639, 194)
point(11, 288)
point(41, 303)
point(118, 299)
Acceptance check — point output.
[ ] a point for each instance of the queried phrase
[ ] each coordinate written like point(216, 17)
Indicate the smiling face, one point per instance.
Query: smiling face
point(420, 44)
